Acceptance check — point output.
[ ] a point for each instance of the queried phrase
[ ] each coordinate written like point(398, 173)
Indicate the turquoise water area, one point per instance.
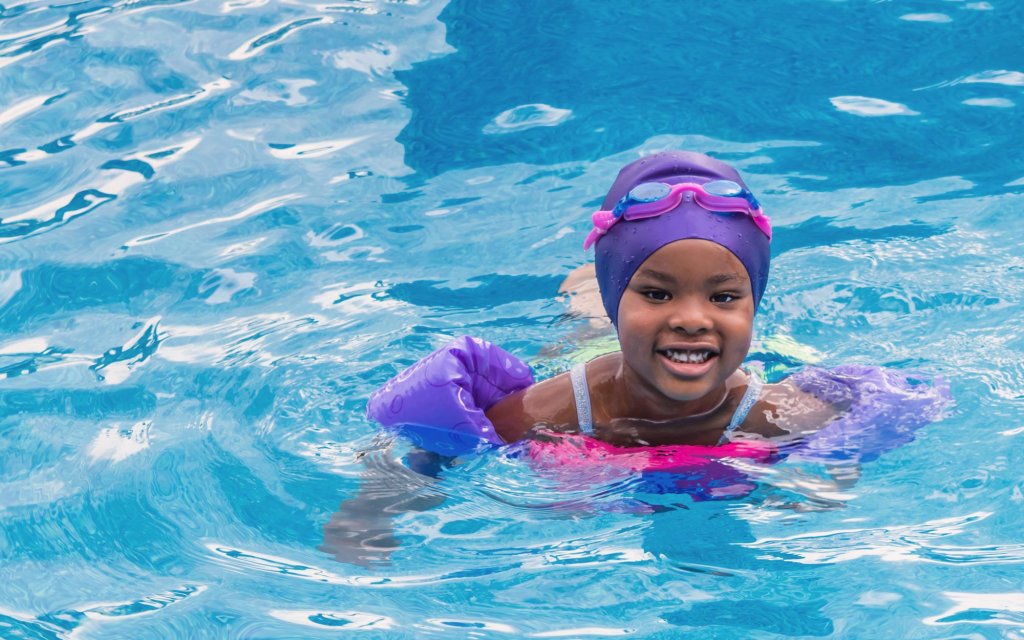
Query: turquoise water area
point(224, 223)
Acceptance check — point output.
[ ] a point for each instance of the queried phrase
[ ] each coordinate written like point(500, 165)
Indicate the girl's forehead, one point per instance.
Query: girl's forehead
point(694, 261)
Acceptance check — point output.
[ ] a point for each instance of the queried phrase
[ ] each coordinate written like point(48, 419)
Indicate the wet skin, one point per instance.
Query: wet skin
point(689, 296)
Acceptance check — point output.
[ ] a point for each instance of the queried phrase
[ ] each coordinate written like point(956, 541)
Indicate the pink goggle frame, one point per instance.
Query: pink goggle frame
point(652, 199)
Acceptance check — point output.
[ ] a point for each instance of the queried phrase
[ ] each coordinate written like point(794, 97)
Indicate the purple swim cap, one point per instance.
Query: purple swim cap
point(621, 251)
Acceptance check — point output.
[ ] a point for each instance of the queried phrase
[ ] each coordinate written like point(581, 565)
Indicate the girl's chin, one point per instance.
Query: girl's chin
point(681, 396)
point(687, 391)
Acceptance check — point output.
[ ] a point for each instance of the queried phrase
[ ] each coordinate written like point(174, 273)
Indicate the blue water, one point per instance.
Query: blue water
point(223, 224)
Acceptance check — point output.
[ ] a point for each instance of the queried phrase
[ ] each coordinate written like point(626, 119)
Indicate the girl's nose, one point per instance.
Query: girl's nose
point(689, 316)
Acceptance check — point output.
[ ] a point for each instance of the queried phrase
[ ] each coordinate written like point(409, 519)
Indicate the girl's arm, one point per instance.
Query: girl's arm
point(362, 530)
point(547, 405)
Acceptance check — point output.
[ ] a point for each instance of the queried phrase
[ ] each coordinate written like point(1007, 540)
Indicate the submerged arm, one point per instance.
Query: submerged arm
point(362, 530)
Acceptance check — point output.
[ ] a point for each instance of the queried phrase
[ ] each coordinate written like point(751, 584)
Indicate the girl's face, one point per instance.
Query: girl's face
point(685, 324)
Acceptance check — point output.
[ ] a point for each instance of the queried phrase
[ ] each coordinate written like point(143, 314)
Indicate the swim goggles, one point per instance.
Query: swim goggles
point(650, 199)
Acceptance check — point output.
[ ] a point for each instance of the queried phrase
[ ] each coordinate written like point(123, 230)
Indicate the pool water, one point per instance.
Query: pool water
point(224, 223)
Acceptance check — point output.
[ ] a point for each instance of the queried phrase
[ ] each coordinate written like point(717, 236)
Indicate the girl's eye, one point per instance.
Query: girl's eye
point(656, 294)
point(724, 297)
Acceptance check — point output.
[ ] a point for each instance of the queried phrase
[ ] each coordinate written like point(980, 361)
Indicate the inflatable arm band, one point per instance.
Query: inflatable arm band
point(439, 402)
point(885, 408)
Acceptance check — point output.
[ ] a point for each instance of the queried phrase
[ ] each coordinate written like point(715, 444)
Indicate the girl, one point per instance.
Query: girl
point(682, 260)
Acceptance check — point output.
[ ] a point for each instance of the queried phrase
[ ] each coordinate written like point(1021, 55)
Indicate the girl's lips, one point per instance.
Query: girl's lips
point(687, 369)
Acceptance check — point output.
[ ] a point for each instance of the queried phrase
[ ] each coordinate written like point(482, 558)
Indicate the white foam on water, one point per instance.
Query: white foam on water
point(1001, 103)
point(527, 116)
point(937, 18)
point(871, 107)
point(1003, 77)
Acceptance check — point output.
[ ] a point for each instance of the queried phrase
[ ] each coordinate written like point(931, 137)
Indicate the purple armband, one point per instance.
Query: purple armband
point(439, 402)
point(882, 410)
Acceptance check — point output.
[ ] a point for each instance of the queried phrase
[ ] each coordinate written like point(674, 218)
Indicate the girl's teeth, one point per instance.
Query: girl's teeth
point(688, 356)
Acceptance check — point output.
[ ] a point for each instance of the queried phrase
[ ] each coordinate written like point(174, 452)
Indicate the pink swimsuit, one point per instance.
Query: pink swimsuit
point(689, 465)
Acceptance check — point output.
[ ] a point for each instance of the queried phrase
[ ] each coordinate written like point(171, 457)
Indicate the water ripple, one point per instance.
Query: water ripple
point(123, 175)
point(117, 363)
point(248, 212)
point(20, 45)
point(349, 620)
point(27, 106)
point(237, 558)
point(236, 341)
point(579, 632)
point(289, 151)
point(275, 35)
point(377, 60)
point(15, 158)
point(147, 604)
point(65, 623)
point(894, 543)
point(241, 5)
point(1005, 609)
point(24, 357)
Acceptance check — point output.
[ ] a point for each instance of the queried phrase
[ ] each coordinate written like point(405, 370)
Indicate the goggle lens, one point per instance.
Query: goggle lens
point(726, 188)
point(649, 192)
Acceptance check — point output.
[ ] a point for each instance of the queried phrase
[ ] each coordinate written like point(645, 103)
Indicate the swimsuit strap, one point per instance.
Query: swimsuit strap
point(754, 385)
point(581, 392)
